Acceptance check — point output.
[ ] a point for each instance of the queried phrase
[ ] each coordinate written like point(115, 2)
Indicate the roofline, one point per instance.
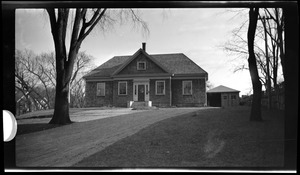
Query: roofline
point(223, 92)
point(190, 74)
point(175, 76)
point(142, 75)
point(194, 63)
point(95, 80)
point(219, 91)
point(133, 57)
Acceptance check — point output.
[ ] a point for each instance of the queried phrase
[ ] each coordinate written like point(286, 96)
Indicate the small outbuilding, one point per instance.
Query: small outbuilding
point(223, 96)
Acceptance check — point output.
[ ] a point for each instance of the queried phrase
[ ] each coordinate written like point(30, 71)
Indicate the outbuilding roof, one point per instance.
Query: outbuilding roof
point(221, 89)
point(175, 63)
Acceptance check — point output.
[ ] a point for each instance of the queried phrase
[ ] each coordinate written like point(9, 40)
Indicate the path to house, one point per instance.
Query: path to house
point(66, 145)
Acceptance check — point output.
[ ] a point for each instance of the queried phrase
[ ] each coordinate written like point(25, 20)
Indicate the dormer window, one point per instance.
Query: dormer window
point(141, 65)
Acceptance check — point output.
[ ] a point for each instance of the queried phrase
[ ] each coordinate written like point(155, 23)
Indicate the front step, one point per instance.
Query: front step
point(139, 104)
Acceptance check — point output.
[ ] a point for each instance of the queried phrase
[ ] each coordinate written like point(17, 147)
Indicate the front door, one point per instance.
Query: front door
point(141, 92)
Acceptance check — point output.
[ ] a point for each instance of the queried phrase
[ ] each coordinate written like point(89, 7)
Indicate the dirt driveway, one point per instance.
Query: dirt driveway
point(66, 145)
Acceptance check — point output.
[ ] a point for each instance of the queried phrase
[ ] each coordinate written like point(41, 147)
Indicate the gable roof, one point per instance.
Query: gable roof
point(221, 88)
point(140, 51)
point(176, 63)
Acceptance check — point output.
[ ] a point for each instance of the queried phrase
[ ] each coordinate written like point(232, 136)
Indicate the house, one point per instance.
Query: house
point(223, 96)
point(161, 80)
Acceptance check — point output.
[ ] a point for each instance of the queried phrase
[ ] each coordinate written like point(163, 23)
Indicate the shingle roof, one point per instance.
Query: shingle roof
point(221, 88)
point(176, 63)
point(108, 68)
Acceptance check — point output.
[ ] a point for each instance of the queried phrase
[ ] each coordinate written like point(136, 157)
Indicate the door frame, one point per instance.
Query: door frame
point(146, 92)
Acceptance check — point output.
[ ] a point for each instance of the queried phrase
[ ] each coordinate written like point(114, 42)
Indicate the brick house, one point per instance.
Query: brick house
point(161, 80)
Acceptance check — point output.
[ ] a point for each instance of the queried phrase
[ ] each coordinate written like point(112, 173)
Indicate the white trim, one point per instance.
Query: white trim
point(137, 65)
point(164, 90)
point(98, 84)
point(141, 80)
point(184, 78)
point(142, 75)
point(119, 87)
point(145, 79)
point(93, 80)
point(132, 77)
point(135, 89)
point(183, 82)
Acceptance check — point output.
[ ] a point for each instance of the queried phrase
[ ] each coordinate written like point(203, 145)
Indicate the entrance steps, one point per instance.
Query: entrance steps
point(139, 104)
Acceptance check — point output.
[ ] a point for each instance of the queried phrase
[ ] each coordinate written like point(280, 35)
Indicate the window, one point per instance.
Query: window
point(122, 88)
point(160, 88)
point(233, 97)
point(225, 97)
point(141, 65)
point(100, 89)
point(147, 89)
point(187, 88)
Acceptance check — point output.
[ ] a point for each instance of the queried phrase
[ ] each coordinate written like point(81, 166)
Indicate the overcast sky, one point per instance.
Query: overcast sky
point(197, 32)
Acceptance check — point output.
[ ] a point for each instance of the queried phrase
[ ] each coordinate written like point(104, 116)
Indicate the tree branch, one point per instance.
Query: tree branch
point(83, 33)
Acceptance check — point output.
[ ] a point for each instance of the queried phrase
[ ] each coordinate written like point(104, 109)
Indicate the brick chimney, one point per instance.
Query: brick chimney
point(144, 46)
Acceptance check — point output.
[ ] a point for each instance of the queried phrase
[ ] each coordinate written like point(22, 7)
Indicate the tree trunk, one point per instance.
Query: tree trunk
point(61, 108)
point(268, 80)
point(280, 42)
point(256, 84)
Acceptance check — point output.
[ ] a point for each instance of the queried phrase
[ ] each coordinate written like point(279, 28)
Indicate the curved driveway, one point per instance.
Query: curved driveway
point(66, 145)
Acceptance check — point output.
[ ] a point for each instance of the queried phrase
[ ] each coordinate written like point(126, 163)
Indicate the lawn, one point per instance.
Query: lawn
point(35, 127)
point(207, 138)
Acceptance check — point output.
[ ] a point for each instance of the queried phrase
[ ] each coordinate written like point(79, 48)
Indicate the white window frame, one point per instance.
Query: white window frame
point(183, 83)
point(98, 86)
point(164, 90)
point(138, 67)
point(119, 87)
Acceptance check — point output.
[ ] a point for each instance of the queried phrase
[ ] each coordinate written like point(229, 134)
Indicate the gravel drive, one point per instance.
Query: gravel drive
point(66, 145)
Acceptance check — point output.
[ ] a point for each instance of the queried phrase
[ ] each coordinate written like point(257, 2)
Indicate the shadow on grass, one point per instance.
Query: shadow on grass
point(29, 128)
point(217, 138)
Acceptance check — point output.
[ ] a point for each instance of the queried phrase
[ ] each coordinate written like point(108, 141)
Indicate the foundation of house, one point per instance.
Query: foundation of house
point(136, 104)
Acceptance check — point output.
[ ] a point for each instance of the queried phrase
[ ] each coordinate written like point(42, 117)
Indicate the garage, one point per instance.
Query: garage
point(223, 96)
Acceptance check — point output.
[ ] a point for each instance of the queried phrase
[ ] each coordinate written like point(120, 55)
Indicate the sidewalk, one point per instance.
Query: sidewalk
point(67, 145)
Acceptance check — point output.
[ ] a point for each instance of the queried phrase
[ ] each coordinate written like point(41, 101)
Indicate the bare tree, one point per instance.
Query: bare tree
point(35, 78)
point(81, 67)
point(209, 85)
point(27, 79)
point(256, 84)
point(266, 50)
point(82, 24)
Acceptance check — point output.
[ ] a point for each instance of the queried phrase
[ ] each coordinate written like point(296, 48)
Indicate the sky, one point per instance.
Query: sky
point(198, 33)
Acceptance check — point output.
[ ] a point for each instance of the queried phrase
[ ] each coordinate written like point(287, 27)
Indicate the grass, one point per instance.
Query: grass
point(207, 138)
point(49, 112)
point(30, 128)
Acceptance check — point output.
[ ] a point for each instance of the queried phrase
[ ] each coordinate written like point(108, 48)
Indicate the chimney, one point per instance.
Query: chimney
point(144, 46)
